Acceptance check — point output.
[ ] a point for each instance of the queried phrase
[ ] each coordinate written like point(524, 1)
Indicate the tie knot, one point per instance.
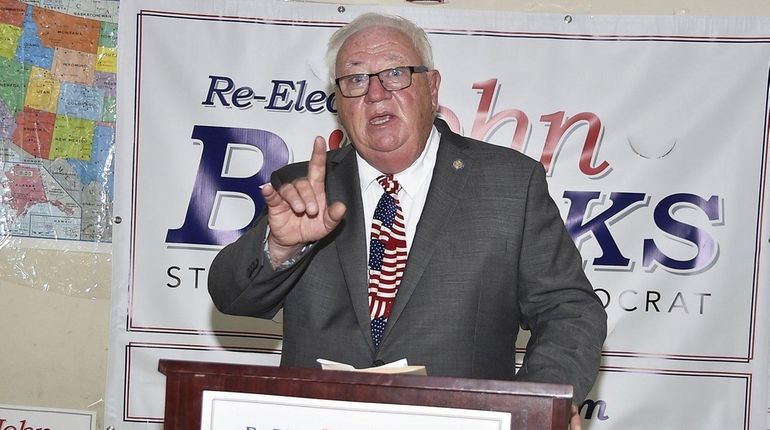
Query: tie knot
point(389, 184)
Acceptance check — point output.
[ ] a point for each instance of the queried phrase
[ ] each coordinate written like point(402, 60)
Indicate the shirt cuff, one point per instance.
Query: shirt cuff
point(291, 261)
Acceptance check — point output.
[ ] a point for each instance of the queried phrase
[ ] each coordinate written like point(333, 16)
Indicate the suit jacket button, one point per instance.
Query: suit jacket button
point(378, 363)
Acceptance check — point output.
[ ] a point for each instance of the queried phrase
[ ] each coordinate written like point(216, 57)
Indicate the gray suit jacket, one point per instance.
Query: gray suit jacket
point(490, 255)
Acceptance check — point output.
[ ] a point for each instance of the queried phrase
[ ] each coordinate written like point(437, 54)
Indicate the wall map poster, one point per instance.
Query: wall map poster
point(58, 63)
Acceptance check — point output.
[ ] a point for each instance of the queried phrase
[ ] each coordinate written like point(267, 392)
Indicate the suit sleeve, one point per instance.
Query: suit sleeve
point(566, 319)
point(241, 280)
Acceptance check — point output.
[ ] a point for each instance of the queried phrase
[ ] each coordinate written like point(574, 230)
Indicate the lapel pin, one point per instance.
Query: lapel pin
point(458, 164)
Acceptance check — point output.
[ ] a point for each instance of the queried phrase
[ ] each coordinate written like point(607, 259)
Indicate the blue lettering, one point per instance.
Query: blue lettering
point(591, 405)
point(216, 90)
point(222, 86)
point(330, 106)
point(300, 94)
point(280, 93)
point(242, 97)
point(707, 247)
point(598, 226)
point(315, 101)
point(209, 181)
point(290, 96)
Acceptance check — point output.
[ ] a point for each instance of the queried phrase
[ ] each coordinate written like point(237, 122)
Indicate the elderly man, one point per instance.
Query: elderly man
point(414, 242)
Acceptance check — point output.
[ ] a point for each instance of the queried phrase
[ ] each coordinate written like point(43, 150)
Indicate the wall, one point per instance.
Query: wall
point(54, 305)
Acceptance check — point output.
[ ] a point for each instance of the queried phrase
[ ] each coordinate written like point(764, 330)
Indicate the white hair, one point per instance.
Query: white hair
point(371, 19)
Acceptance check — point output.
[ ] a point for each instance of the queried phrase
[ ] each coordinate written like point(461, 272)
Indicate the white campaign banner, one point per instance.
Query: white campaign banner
point(653, 131)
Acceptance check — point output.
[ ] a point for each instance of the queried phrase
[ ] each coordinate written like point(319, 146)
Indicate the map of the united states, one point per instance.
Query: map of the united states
point(57, 119)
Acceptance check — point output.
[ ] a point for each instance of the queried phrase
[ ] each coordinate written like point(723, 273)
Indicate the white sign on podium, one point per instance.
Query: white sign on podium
point(244, 411)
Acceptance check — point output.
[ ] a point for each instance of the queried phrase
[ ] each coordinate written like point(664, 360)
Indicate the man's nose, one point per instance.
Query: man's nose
point(376, 91)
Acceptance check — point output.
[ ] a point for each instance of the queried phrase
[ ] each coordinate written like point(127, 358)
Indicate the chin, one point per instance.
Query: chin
point(387, 144)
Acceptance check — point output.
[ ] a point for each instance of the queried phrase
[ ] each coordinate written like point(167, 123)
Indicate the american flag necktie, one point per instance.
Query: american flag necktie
point(387, 255)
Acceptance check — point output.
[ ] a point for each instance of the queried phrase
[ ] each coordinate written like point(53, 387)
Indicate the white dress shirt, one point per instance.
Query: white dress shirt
point(414, 181)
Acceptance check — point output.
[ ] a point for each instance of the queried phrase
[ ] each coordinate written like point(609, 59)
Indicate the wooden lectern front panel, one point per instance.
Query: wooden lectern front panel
point(532, 406)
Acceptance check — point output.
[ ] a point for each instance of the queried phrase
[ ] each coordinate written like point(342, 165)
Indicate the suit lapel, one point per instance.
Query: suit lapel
point(343, 185)
point(449, 177)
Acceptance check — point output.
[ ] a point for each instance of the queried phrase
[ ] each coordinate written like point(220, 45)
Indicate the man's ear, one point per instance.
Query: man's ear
point(435, 83)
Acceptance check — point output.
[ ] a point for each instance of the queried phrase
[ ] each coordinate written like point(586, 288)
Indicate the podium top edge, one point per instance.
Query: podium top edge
point(295, 374)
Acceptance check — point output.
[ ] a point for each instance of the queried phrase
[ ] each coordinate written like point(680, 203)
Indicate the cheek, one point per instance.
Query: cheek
point(348, 112)
point(416, 107)
point(342, 114)
point(351, 122)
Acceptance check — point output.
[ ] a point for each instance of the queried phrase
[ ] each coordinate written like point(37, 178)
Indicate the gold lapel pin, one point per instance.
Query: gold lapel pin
point(458, 164)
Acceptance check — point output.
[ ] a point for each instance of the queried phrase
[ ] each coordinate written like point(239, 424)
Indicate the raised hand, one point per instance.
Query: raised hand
point(297, 211)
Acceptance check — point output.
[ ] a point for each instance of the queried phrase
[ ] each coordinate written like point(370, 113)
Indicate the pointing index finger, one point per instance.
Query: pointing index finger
point(316, 171)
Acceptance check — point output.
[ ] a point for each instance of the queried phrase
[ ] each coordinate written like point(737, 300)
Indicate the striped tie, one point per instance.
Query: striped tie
point(387, 256)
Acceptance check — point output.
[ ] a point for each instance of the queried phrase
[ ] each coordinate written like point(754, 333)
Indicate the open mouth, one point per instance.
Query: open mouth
point(380, 120)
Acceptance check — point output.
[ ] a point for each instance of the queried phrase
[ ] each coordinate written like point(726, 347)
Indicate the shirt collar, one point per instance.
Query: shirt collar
point(412, 178)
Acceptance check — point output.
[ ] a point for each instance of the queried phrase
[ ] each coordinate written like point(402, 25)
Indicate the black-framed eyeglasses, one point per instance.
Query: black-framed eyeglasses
point(394, 79)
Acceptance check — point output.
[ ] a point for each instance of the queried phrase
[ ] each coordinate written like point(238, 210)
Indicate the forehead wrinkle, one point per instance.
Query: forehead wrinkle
point(390, 60)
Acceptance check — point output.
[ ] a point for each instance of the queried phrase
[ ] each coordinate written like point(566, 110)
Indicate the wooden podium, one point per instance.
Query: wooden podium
point(532, 406)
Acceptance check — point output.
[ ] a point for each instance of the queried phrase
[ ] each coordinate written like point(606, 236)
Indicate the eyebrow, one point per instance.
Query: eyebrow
point(352, 64)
